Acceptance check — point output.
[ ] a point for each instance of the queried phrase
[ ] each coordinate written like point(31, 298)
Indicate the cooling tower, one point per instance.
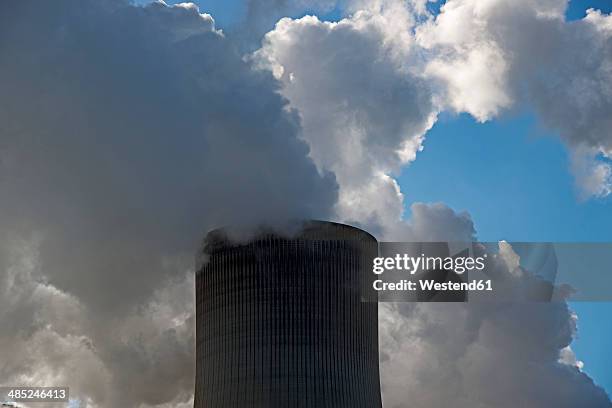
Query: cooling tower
point(281, 322)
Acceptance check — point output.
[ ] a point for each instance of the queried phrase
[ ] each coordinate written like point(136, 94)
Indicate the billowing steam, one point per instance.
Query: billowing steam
point(126, 132)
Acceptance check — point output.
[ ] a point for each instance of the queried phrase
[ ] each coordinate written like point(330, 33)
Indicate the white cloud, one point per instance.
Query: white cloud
point(363, 111)
point(491, 354)
point(594, 175)
point(497, 54)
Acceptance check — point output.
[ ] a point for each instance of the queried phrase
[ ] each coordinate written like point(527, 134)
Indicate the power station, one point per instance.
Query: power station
point(287, 322)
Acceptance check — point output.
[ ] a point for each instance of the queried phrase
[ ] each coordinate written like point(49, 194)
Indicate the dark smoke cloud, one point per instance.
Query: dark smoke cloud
point(125, 133)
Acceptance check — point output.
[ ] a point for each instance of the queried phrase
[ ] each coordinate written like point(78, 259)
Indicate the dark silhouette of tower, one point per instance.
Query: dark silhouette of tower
point(281, 321)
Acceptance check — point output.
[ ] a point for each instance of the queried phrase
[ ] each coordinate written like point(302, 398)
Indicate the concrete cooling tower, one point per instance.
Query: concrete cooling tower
point(281, 322)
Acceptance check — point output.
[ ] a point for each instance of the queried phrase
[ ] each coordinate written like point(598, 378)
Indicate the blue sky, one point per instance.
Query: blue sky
point(513, 177)
point(227, 12)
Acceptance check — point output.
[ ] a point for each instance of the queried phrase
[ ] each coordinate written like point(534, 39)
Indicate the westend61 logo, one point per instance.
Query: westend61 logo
point(414, 264)
point(440, 278)
point(488, 271)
